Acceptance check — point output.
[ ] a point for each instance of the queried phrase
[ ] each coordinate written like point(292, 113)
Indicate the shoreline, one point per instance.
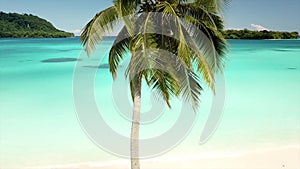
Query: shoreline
point(278, 158)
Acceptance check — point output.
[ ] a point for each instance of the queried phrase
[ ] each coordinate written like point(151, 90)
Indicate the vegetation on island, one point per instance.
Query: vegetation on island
point(13, 25)
point(248, 34)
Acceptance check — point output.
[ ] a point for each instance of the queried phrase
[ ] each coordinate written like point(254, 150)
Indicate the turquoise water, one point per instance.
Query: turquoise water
point(39, 126)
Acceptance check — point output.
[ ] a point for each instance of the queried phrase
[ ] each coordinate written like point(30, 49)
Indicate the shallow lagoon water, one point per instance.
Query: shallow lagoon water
point(39, 126)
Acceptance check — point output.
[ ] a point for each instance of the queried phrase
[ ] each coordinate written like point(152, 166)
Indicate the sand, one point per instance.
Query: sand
point(283, 158)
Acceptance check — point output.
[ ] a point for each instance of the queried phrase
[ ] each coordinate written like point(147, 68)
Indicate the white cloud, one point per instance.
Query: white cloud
point(77, 32)
point(259, 27)
point(232, 28)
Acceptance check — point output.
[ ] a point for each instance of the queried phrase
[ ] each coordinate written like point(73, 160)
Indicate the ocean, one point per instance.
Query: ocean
point(39, 125)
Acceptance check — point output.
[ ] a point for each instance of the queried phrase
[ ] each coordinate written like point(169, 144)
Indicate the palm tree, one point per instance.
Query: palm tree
point(162, 25)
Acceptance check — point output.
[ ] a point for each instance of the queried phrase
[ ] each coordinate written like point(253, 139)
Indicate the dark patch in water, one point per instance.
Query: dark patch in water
point(58, 60)
point(292, 68)
point(248, 50)
point(292, 47)
point(103, 66)
point(69, 50)
point(28, 60)
point(281, 50)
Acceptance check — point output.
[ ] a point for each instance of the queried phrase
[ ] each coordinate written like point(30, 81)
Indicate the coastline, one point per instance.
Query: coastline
point(277, 158)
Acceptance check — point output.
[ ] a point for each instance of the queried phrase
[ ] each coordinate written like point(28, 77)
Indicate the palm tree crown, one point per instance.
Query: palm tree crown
point(188, 44)
point(171, 43)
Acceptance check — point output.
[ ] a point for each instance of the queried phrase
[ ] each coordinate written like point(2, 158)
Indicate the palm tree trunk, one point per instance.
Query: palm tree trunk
point(135, 162)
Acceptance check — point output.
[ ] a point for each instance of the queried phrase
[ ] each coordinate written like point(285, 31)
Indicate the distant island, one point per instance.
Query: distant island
point(248, 34)
point(13, 25)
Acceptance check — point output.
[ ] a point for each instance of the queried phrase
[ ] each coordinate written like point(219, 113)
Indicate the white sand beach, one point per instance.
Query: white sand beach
point(288, 158)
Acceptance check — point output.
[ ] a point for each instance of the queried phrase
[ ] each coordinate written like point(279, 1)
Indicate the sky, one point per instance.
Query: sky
point(73, 15)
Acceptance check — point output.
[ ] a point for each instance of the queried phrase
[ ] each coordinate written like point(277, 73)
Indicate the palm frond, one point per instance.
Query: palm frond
point(209, 39)
point(149, 61)
point(172, 77)
point(164, 83)
point(184, 46)
point(190, 87)
point(201, 13)
point(217, 6)
point(119, 49)
point(101, 24)
point(177, 79)
point(126, 9)
point(141, 44)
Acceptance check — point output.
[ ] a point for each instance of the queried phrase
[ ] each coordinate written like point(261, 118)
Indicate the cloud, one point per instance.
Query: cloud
point(77, 32)
point(259, 27)
point(233, 28)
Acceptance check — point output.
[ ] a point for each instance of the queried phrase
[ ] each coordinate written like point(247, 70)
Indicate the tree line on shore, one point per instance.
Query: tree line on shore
point(248, 34)
point(15, 25)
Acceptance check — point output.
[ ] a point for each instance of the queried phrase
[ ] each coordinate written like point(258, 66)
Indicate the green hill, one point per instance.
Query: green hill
point(248, 34)
point(13, 25)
